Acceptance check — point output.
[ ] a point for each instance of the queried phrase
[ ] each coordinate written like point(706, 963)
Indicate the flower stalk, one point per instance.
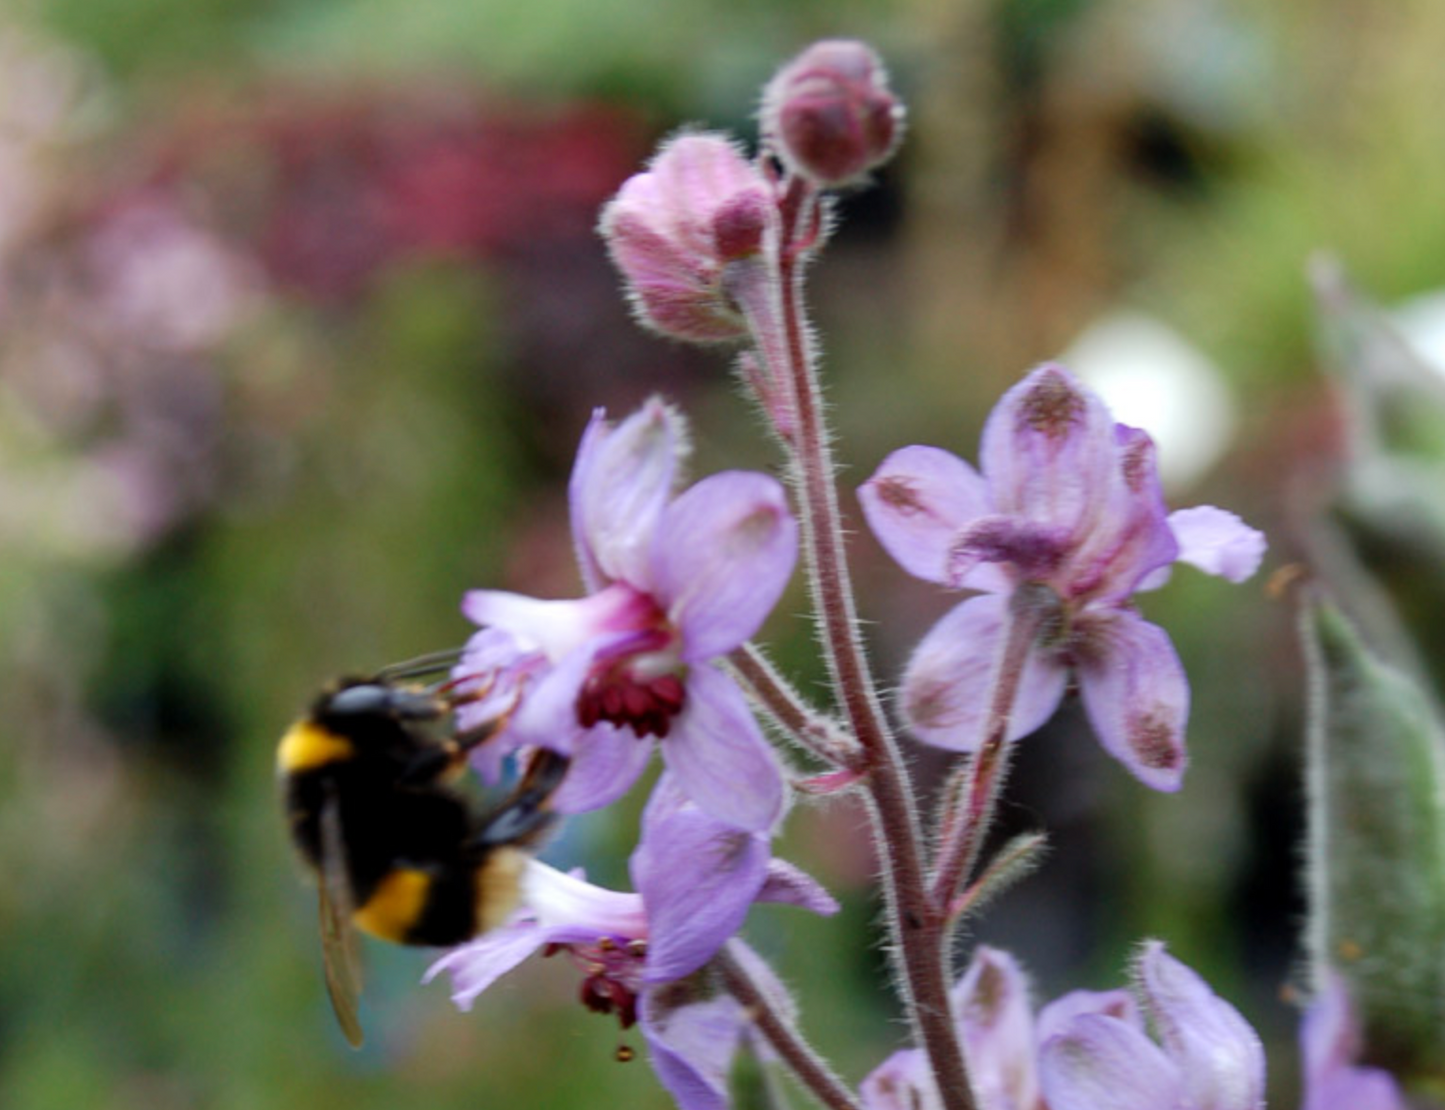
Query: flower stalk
point(917, 923)
point(987, 769)
point(782, 1034)
point(819, 734)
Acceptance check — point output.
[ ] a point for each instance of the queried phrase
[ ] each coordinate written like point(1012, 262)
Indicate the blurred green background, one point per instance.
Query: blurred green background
point(302, 313)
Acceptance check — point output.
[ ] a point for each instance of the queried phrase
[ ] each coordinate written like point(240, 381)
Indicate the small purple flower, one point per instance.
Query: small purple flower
point(996, 1026)
point(674, 230)
point(1089, 1049)
point(1070, 501)
point(696, 878)
point(676, 582)
point(1330, 1044)
point(1208, 1058)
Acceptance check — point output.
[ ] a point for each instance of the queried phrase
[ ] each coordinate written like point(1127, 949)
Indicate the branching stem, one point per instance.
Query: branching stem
point(918, 923)
point(815, 731)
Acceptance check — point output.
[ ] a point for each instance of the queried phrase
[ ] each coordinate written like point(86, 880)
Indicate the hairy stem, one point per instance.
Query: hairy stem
point(817, 732)
point(986, 770)
point(1012, 862)
point(783, 1035)
point(917, 922)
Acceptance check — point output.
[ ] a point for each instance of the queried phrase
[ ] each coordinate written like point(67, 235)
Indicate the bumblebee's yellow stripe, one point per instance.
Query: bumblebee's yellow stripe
point(395, 906)
point(499, 886)
point(307, 745)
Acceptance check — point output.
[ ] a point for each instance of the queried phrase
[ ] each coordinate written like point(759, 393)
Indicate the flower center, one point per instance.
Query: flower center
point(613, 975)
point(647, 706)
point(638, 685)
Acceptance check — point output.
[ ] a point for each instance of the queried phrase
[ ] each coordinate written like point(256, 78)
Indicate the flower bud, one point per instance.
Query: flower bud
point(829, 113)
point(674, 228)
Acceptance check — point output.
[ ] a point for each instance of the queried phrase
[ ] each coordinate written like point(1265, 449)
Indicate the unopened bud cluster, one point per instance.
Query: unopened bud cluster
point(700, 230)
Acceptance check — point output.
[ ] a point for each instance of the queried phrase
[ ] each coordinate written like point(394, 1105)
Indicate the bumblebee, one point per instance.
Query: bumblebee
point(398, 853)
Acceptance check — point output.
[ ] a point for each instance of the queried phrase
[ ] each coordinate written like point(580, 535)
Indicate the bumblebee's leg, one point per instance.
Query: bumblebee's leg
point(524, 815)
point(432, 763)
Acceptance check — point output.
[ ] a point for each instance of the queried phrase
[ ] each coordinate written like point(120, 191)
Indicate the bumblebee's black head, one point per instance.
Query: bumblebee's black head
point(353, 699)
point(367, 723)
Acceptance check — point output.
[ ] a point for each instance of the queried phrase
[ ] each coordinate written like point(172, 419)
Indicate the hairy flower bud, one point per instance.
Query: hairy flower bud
point(829, 113)
point(673, 230)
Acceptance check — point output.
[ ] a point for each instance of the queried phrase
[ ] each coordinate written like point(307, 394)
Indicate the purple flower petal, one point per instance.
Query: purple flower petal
point(574, 911)
point(587, 450)
point(917, 502)
point(547, 716)
point(477, 965)
point(1048, 450)
point(904, 1081)
point(1136, 694)
point(1220, 1057)
point(1330, 1043)
point(1355, 1088)
point(720, 758)
point(1056, 1016)
point(726, 549)
point(1217, 542)
point(1102, 1063)
point(620, 485)
point(556, 628)
point(1130, 539)
point(692, 1043)
point(792, 886)
point(947, 686)
point(1033, 551)
point(1329, 1032)
point(992, 1004)
point(697, 876)
point(606, 761)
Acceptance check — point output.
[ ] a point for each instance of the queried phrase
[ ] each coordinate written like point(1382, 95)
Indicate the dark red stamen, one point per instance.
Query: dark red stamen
point(602, 995)
point(647, 706)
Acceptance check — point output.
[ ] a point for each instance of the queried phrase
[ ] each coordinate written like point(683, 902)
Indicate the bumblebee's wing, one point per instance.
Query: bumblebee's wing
point(338, 939)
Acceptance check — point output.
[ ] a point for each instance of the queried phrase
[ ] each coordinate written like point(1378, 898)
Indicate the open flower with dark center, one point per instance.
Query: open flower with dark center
point(642, 956)
point(1069, 506)
point(675, 582)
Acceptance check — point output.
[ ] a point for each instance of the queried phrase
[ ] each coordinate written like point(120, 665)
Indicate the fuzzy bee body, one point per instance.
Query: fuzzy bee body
point(396, 851)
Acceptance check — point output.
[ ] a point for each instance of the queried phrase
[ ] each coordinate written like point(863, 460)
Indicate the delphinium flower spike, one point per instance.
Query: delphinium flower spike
point(820, 119)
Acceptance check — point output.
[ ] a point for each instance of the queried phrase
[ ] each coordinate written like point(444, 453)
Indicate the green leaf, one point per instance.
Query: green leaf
point(1376, 851)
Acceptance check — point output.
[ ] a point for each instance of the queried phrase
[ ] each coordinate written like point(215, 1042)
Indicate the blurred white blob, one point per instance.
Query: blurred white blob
point(1152, 378)
point(1421, 321)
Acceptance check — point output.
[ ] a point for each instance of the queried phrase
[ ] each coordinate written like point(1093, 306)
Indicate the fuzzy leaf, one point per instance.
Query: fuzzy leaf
point(1376, 783)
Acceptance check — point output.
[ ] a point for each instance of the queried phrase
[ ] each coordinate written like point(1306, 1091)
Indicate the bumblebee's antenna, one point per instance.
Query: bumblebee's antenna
point(429, 663)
